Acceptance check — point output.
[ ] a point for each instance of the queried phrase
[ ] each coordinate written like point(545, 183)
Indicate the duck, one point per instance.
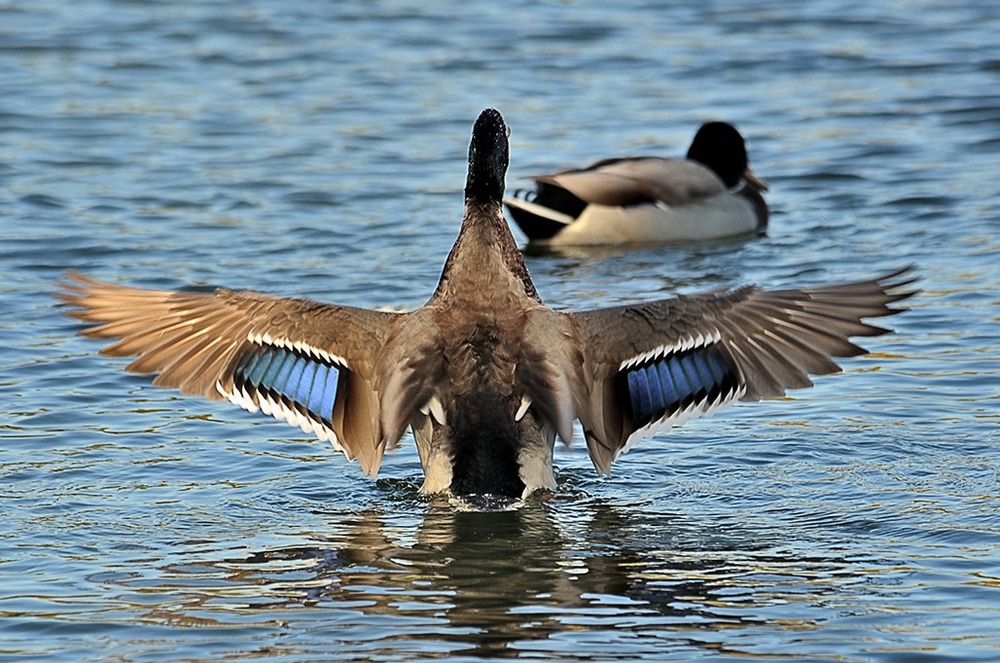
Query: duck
point(484, 374)
point(711, 194)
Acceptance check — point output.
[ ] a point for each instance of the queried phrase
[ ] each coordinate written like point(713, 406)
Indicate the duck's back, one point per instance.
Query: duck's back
point(478, 435)
point(637, 180)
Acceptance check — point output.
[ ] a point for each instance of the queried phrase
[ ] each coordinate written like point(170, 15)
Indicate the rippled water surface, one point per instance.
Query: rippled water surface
point(318, 150)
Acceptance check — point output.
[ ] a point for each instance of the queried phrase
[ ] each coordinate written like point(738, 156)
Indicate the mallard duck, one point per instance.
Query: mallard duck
point(710, 194)
point(484, 373)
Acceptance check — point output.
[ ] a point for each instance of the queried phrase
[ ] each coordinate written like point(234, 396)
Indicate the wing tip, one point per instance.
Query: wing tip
point(896, 285)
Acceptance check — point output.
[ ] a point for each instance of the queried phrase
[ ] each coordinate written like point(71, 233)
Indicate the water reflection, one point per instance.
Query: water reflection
point(604, 251)
point(495, 583)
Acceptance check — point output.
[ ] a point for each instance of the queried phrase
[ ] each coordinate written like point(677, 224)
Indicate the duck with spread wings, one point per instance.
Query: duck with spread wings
point(484, 373)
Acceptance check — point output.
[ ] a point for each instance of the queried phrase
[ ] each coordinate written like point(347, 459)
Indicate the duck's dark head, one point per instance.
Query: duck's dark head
point(488, 158)
point(720, 146)
point(485, 248)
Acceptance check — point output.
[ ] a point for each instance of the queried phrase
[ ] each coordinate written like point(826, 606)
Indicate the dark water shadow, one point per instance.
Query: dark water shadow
point(604, 251)
point(496, 583)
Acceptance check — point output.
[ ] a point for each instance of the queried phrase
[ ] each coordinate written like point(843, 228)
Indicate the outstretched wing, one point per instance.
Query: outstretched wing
point(304, 362)
point(656, 364)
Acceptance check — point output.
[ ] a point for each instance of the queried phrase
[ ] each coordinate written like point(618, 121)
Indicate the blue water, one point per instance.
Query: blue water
point(318, 150)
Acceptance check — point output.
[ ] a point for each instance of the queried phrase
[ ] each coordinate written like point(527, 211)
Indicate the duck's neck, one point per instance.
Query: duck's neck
point(485, 260)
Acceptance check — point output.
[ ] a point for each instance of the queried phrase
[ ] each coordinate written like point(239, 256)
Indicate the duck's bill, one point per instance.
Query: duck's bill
point(749, 176)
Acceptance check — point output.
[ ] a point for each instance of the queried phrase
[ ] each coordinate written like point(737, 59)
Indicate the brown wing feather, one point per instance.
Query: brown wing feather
point(776, 339)
point(629, 181)
point(194, 340)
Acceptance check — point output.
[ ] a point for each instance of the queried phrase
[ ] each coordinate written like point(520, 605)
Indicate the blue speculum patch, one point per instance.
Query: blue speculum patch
point(308, 383)
point(663, 386)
